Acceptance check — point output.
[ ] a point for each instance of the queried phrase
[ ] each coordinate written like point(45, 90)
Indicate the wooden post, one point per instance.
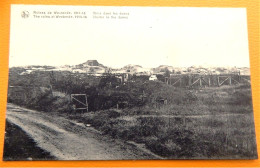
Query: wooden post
point(209, 82)
point(166, 80)
point(189, 83)
point(218, 80)
point(86, 102)
point(51, 89)
point(230, 81)
point(200, 82)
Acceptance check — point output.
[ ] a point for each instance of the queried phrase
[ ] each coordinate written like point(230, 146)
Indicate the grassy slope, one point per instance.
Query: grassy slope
point(13, 150)
point(209, 123)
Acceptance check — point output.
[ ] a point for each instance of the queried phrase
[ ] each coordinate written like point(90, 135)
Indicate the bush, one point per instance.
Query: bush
point(176, 142)
point(241, 98)
point(189, 97)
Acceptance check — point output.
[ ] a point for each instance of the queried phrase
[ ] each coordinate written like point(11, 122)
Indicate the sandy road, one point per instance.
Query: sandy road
point(68, 140)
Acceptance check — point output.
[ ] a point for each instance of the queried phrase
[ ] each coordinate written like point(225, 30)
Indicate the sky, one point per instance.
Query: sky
point(151, 36)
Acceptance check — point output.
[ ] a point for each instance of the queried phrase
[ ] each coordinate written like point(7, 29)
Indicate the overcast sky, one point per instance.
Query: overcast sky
point(151, 36)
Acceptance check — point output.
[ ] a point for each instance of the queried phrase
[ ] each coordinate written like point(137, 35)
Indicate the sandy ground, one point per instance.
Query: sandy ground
point(68, 140)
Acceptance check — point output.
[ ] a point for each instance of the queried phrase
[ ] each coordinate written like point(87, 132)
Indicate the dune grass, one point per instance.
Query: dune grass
point(208, 123)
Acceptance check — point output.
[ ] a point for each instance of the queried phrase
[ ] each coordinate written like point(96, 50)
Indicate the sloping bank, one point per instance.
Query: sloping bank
point(13, 150)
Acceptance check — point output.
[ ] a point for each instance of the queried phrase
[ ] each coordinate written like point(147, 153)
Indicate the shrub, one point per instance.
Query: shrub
point(189, 97)
point(241, 97)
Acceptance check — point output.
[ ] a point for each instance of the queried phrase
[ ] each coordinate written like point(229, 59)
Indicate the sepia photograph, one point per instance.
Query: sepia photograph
point(128, 83)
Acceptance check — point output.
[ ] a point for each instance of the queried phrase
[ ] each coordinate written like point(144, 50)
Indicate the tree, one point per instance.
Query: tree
point(109, 81)
point(108, 72)
point(91, 70)
point(167, 72)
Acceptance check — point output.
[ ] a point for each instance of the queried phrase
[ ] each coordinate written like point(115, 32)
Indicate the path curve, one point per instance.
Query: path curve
point(68, 140)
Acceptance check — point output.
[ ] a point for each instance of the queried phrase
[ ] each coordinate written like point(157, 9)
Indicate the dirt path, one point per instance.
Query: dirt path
point(68, 140)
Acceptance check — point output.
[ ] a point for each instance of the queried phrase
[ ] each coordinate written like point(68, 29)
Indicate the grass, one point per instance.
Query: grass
point(197, 123)
point(209, 123)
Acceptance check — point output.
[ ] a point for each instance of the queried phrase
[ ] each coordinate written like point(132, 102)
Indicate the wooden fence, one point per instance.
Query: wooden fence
point(195, 80)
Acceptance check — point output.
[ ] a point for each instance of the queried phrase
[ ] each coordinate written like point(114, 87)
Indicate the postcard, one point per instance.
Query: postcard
point(128, 83)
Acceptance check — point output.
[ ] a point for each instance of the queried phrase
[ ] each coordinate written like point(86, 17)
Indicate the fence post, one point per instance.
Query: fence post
point(86, 102)
point(166, 80)
point(189, 82)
